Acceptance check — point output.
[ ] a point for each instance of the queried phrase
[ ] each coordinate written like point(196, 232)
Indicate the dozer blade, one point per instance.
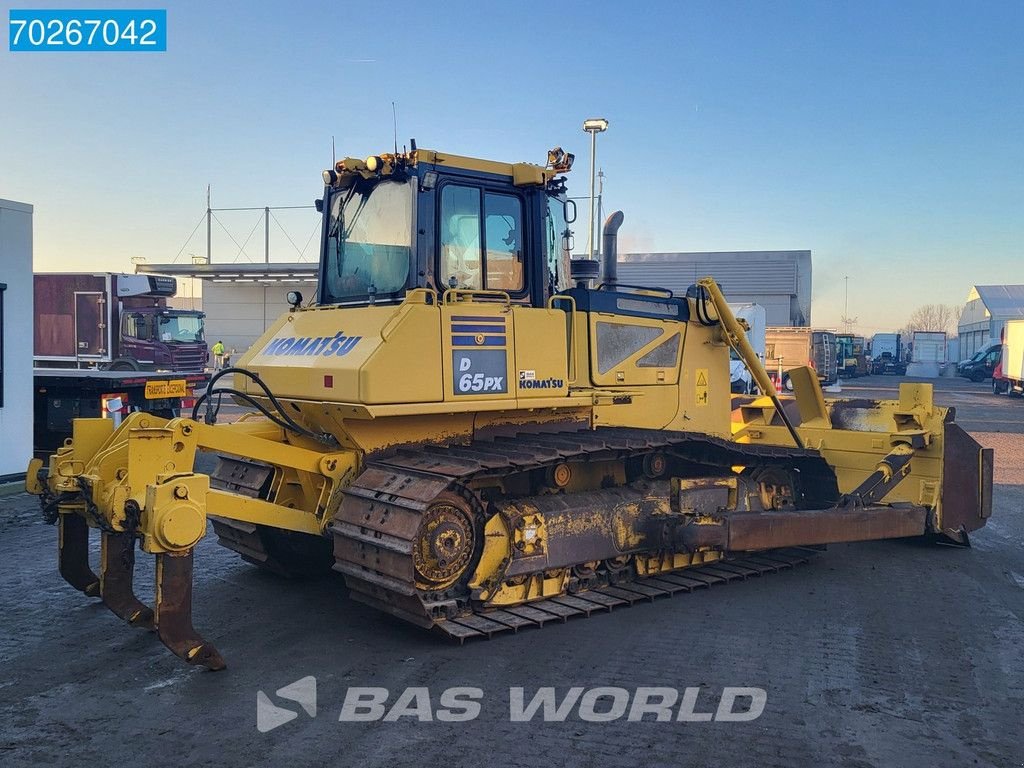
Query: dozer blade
point(174, 613)
point(73, 554)
point(117, 556)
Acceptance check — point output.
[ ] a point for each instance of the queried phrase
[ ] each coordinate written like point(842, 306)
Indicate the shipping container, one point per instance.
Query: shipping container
point(928, 347)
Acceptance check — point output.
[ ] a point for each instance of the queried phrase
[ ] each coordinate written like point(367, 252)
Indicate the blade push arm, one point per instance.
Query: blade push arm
point(736, 337)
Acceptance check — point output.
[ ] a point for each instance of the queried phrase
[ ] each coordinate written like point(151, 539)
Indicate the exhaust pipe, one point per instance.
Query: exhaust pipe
point(611, 248)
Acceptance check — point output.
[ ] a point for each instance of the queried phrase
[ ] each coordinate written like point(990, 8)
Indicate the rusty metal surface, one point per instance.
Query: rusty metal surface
point(240, 476)
point(174, 613)
point(792, 528)
point(584, 604)
point(285, 553)
point(73, 554)
point(117, 553)
point(966, 482)
point(379, 519)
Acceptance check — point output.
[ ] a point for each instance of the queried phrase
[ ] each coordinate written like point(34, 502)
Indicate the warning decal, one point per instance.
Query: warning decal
point(702, 386)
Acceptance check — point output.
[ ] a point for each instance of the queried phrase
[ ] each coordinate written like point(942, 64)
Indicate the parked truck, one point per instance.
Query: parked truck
point(852, 358)
point(756, 318)
point(115, 322)
point(887, 354)
point(928, 347)
point(62, 395)
point(788, 348)
point(983, 365)
point(1009, 375)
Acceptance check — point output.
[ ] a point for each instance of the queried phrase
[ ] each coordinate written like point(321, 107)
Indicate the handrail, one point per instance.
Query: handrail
point(454, 295)
point(614, 287)
point(403, 309)
point(413, 293)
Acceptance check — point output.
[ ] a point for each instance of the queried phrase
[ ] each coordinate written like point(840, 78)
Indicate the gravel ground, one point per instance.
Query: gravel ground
point(889, 653)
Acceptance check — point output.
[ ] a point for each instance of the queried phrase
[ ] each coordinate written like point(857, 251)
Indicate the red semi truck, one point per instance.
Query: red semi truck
point(115, 322)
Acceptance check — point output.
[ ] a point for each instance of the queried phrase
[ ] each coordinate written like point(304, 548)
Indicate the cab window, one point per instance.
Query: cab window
point(138, 326)
point(480, 239)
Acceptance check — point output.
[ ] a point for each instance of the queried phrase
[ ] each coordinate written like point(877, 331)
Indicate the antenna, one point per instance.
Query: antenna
point(334, 155)
point(394, 115)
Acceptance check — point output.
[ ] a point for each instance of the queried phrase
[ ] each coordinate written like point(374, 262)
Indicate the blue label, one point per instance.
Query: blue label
point(479, 372)
point(87, 30)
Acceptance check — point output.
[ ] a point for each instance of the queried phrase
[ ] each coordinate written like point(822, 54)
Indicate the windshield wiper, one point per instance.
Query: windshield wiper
point(338, 231)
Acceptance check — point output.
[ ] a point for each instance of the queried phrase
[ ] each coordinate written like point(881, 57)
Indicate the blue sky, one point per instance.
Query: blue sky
point(886, 137)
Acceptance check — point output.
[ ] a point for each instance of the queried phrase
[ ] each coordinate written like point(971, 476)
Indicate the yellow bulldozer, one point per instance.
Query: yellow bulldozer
point(481, 433)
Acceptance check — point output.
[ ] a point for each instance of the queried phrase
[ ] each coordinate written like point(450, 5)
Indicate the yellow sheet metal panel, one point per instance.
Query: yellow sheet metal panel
point(810, 399)
point(406, 366)
point(526, 171)
point(642, 407)
point(541, 352)
point(331, 354)
point(705, 397)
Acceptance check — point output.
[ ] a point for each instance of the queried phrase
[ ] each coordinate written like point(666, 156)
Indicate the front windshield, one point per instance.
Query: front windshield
point(181, 328)
point(369, 241)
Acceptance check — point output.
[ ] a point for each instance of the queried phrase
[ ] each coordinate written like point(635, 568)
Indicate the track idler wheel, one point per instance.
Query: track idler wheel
point(445, 544)
point(618, 568)
point(775, 487)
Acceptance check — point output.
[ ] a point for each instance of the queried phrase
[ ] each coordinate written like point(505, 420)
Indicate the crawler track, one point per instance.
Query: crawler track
point(376, 527)
point(485, 623)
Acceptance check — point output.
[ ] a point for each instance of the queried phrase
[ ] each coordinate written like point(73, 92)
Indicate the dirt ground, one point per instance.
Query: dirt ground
point(879, 654)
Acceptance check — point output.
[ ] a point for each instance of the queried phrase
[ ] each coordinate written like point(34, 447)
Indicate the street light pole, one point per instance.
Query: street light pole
point(593, 126)
point(848, 321)
point(846, 305)
point(600, 210)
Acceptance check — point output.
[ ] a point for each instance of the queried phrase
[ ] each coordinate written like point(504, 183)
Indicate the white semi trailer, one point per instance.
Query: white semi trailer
point(1009, 375)
point(757, 318)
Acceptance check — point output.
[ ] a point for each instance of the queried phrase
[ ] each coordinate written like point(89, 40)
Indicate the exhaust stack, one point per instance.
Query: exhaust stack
point(611, 248)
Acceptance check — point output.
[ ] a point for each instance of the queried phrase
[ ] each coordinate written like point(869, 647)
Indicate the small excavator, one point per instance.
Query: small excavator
point(480, 433)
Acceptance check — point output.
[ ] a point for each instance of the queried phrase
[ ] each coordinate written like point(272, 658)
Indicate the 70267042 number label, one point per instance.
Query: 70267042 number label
point(87, 30)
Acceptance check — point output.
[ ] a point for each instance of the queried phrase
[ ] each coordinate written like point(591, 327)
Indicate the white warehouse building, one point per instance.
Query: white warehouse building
point(16, 297)
point(780, 281)
point(985, 314)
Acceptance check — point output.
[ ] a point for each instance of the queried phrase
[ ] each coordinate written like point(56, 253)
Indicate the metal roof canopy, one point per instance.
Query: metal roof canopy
point(1000, 299)
point(282, 272)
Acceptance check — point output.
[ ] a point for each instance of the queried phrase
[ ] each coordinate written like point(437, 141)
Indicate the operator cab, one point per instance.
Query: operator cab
point(422, 219)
